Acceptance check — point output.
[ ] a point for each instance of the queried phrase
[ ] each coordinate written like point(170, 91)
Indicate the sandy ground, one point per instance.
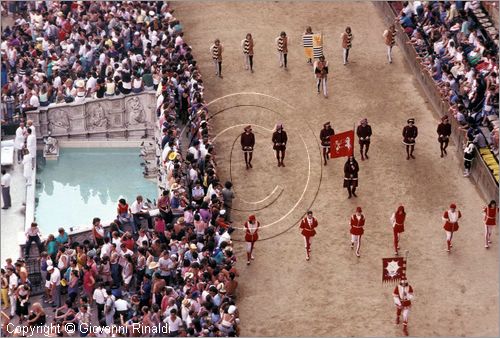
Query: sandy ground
point(336, 293)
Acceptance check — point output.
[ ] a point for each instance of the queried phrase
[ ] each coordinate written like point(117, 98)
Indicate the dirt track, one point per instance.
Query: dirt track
point(336, 293)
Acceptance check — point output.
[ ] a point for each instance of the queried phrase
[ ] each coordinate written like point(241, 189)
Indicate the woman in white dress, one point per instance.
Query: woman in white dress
point(19, 141)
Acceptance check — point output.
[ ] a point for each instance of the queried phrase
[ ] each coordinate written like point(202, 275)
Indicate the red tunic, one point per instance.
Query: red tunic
point(357, 225)
point(450, 224)
point(308, 230)
point(405, 302)
point(249, 237)
point(490, 217)
point(400, 222)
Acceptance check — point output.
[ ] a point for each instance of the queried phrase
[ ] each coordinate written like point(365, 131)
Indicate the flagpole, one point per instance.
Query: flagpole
point(406, 264)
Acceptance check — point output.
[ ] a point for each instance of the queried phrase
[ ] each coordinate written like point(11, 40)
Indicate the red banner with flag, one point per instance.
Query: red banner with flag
point(342, 144)
point(393, 269)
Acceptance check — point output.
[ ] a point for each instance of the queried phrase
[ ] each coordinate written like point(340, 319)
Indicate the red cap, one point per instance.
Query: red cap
point(358, 209)
point(251, 218)
point(453, 206)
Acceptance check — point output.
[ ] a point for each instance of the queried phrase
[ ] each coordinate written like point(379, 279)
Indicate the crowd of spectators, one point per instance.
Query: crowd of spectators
point(166, 263)
point(460, 56)
point(61, 52)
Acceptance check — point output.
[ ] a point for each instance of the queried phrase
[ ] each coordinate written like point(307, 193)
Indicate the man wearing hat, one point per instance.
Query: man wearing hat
point(451, 217)
point(279, 140)
point(251, 235)
point(308, 226)
point(364, 132)
point(324, 136)
point(403, 294)
point(357, 223)
point(444, 132)
point(410, 133)
point(247, 144)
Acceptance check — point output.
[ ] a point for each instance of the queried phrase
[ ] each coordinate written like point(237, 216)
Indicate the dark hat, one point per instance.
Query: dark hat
point(249, 127)
point(412, 120)
point(326, 124)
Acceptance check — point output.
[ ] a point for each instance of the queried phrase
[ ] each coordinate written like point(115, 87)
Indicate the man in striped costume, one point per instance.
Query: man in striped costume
point(346, 39)
point(390, 40)
point(282, 44)
point(321, 72)
point(247, 45)
point(216, 51)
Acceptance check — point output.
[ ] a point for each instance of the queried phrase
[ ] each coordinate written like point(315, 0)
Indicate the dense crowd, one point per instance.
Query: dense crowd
point(170, 263)
point(460, 57)
point(61, 52)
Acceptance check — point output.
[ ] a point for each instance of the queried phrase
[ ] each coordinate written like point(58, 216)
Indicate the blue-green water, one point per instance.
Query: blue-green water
point(87, 182)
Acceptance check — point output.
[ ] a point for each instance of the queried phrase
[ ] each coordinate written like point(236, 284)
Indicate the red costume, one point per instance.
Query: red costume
point(251, 235)
point(403, 294)
point(357, 223)
point(307, 226)
point(490, 220)
point(398, 226)
point(451, 218)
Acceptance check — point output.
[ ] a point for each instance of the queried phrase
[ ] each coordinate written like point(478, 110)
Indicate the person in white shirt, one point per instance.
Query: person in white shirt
point(174, 323)
point(55, 285)
point(13, 282)
point(19, 140)
point(5, 182)
point(33, 234)
point(142, 237)
point(100, 297)
point(31, 145)
point(136, 209)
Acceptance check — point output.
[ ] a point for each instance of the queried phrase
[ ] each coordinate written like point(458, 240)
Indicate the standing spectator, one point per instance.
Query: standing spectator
point(174, 323)
point(31, 146)
point(98, 231)
point(5, 182)
point(55, 285)
point(19, 141)
point(27, 167)
point(228, 196)
point(13, 283)
point(100, 296)
point(83, 319)
point(22, 298)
